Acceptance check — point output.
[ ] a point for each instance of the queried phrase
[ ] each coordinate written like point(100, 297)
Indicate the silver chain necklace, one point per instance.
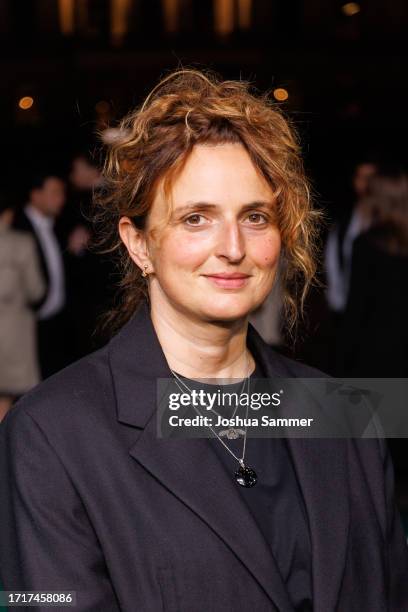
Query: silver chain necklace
point(232, 433)
point(244, 475)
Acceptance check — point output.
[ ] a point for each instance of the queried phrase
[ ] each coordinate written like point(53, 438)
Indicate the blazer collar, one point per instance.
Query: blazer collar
point(136, 361)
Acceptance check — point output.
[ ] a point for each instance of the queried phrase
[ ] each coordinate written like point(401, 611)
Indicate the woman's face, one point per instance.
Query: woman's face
point(217, 257)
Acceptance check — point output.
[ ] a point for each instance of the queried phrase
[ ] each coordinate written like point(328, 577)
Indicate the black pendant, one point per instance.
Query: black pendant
point(246, 476)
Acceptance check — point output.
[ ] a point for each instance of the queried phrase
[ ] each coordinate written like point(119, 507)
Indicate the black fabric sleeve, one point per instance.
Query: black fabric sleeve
point(397, 548)
point(47, 541)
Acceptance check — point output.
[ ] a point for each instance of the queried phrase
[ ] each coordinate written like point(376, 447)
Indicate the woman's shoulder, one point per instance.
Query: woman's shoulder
point(290, 367)
point(20, 243)
point(78, 394)
point(19, 237)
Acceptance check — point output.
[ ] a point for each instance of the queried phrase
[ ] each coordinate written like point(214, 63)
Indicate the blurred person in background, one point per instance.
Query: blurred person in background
point(267, 319)
point(373, 338)
point(21, 285)
point(46, 200)
point(339, 245)
point(88, 273)
point(84, 177)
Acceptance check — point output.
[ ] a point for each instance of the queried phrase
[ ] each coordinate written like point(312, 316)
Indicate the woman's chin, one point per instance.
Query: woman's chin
point(225, 312)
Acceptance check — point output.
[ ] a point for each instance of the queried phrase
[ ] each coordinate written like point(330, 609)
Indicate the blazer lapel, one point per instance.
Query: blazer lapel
point(321, 469)
point(188, 468)
point(192, 471)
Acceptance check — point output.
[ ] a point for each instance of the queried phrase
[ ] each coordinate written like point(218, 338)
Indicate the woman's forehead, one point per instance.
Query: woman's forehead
point(217, 175)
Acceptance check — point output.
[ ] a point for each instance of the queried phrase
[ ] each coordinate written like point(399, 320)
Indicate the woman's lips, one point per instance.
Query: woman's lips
point(229, 282)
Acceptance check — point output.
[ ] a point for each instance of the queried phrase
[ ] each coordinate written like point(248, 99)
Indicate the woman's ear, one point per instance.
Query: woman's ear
point(135, 241)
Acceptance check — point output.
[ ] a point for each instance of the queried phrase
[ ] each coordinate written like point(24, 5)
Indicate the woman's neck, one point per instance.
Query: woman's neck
point(202, 349)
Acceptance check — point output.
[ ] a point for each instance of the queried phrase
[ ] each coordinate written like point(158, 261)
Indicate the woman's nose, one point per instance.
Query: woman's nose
point(231, 244)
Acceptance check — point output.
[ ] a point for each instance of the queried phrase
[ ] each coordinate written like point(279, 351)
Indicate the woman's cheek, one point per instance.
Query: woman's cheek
point(185, 251)
point(266, 252)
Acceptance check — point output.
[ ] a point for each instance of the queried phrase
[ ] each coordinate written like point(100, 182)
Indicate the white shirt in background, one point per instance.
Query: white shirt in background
point(44, 229)
point(338, 279)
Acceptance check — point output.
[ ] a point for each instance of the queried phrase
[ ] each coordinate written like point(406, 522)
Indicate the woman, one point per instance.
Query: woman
point(21, 284)
point(203, 198)
point(374, 336)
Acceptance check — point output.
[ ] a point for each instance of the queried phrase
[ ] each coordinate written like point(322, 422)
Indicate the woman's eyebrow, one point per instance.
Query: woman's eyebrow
point(268, 205)
point(195, 206)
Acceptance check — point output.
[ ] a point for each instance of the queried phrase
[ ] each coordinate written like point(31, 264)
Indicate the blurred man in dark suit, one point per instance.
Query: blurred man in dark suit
point(339, 246)
point(46, 199)
point(89, 274)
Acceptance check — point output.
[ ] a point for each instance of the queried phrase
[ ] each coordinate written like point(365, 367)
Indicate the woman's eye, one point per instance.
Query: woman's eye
point(194, 220)
point(257, 218)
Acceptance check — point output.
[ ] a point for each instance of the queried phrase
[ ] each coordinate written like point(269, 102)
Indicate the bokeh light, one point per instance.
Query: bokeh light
point(280, 94)
point(350, 9)
point(26, 102)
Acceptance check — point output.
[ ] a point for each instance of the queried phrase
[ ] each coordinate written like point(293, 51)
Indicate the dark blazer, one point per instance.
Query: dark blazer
point(373, 337)
point(93, 501)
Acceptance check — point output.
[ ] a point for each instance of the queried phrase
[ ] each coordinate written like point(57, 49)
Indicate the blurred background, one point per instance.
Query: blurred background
point(72, 68)
point(338, 68)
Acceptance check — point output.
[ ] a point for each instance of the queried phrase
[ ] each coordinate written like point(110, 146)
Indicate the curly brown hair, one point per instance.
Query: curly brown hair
point(190, 107)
